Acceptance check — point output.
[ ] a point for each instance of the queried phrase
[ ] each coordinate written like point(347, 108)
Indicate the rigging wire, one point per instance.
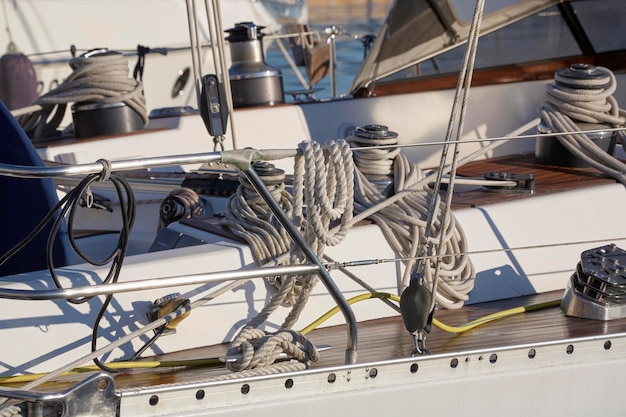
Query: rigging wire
point(363, 262)
point(461, 99)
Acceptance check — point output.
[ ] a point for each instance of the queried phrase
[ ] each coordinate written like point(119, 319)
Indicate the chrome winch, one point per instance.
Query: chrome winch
point(252, 81)
point(597, 289)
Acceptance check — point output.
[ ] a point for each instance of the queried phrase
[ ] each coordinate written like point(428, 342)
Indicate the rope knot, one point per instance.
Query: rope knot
point(257, 349)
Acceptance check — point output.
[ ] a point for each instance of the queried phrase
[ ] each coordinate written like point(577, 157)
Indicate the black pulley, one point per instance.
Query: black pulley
point(213, 106)
point(415, 306)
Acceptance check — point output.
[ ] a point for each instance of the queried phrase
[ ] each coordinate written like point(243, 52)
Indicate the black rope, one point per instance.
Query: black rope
point(149, 343)
point(127, 210)
point(141, 62)
point(67, 206)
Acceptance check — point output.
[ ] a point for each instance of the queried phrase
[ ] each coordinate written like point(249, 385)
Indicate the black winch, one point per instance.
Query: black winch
point(597, 289)
point(97, 118)
point(252, 81)
point(100, 119)
point(578, 77)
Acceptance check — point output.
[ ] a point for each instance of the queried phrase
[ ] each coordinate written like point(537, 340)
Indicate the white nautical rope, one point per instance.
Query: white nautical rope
point(323, 187)
point(248, 217)
point(591, 103)
point(259, 350)
point(11, 411)
point(100, 79)
point(378, 158)
point(403, 222)
point(324, 184)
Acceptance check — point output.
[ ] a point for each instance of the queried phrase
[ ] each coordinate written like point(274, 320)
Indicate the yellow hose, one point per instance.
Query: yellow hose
point(450, 329)
point(199, 362)
point(114, 365)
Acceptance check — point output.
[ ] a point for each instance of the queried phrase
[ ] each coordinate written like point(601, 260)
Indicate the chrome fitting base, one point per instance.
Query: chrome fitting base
point(597, 289)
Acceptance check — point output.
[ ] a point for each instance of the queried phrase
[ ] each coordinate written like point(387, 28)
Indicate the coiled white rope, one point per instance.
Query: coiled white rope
point(587, 101)
point(260, 350)
point(11, 411)
point(248, 217)
point(98, 79)
point(373, 160)
point(323, 186)
point(403, 223)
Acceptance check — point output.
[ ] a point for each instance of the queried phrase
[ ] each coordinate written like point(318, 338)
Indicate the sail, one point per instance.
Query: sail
point(417, 30)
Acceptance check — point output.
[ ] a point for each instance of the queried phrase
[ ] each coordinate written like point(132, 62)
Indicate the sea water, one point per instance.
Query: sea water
point(350, 53)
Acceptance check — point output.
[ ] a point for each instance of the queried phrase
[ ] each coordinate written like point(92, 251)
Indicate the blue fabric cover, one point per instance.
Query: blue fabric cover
point(24, 202)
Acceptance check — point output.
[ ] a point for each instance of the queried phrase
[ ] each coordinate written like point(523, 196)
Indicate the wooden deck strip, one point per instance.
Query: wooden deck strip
point(387, 339)
point(520, 72)
point(548, 179)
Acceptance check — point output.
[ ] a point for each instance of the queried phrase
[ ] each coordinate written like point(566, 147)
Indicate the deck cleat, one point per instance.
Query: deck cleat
point(597, 289)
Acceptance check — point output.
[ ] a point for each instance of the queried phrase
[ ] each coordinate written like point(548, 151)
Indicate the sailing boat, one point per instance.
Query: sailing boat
point(186, 298)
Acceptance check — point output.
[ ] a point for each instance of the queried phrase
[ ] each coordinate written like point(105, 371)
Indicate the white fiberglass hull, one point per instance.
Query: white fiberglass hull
point(56, 332)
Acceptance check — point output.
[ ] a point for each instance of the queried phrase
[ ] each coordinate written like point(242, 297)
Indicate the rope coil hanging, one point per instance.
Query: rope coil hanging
point(101, 79)
point(323, 187)
point(403, 222)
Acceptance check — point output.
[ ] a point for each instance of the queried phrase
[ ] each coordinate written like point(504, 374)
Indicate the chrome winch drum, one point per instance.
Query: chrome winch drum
point(252, 81)
point(597, 289)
